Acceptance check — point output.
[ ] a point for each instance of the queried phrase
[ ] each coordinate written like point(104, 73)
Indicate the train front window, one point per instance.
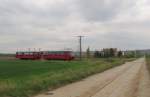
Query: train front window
point(19, 53)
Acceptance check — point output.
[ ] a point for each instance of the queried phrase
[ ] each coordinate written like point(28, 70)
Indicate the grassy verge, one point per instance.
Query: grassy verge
point(20, 78)
point(148, 63)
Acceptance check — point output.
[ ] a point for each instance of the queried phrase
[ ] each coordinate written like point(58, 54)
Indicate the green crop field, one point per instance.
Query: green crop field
point(23, 78)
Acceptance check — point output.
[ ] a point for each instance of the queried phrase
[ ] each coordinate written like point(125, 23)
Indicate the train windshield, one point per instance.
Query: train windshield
point(26, 53)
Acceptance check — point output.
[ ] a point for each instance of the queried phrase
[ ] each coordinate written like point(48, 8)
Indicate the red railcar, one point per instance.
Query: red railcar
point(29, 55)
point(58, 55)
point(47, 55)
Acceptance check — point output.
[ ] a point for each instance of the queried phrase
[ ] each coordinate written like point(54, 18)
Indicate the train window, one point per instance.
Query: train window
point(26, 53)
point(46, 53)
point(55, 52)
point(65, 52)
point(50, 53)
point(62, 52)
point(19, 53)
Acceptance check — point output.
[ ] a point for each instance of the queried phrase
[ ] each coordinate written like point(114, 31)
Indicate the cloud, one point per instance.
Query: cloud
point(103, 10)
point(54, 24)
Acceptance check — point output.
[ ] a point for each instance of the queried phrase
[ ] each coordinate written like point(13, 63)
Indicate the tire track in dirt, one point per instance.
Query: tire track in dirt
point(91, 92)
point(144, 83)
point(125, 85)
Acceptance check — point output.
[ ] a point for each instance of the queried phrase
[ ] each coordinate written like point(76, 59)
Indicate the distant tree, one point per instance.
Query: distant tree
point(130, 54)
point(112, 52)
point(119, 53)
point(101, 55)
point(88, 52)
point(96, 54)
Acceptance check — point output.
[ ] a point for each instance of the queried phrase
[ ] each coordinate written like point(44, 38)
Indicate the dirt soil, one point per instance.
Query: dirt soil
point(129, 80)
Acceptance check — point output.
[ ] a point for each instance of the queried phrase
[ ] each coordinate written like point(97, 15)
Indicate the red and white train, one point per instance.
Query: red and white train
point(47, 55)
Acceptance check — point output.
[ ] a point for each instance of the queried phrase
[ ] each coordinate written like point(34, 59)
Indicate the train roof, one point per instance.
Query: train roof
point(27, 52)
point(56, 51)
point(40, 51)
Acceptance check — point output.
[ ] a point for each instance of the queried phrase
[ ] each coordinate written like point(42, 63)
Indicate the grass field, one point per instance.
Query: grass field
point(20, 78)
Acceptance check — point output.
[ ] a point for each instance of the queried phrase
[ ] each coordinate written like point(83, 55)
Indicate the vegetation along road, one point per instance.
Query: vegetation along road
point(25, 78)
point(129, 80)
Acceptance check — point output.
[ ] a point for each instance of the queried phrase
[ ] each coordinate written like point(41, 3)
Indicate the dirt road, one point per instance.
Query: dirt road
point(129, 80)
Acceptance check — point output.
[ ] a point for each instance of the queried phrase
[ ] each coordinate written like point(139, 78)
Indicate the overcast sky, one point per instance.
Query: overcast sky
point(54, 24)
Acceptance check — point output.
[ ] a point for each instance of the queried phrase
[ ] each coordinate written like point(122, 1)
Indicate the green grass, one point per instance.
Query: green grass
point(20, 78)
point(148, 62)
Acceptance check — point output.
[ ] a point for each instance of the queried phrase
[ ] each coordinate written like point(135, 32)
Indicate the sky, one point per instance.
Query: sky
point(55, 24)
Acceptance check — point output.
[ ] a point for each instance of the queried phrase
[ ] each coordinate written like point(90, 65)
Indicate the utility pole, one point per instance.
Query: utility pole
point(80, 45)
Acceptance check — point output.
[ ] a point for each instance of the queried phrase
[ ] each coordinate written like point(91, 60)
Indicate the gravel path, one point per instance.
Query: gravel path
point(129, 80)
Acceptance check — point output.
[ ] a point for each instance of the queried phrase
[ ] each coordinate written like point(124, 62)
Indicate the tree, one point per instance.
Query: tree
point(96, 54)
point(112, 52)
point(88, 52)
point(119, 53)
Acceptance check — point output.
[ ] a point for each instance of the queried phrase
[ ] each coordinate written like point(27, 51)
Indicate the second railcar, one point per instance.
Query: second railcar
point(58, 55)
